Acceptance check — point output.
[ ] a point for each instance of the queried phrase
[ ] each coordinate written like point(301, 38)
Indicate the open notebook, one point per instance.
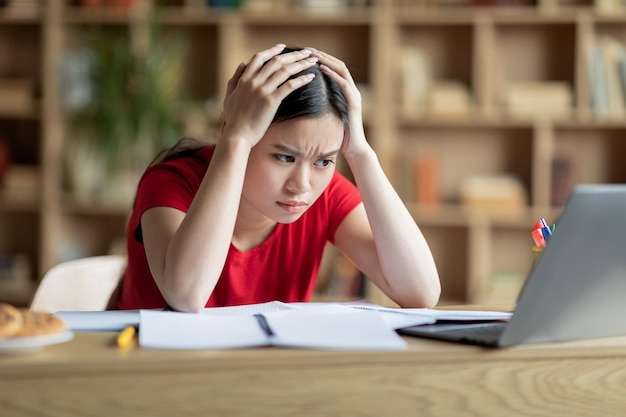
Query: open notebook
point(325, 327)
point(576, 290)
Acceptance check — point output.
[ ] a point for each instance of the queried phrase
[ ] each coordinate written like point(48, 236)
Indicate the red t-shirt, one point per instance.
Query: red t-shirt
point(284, 267)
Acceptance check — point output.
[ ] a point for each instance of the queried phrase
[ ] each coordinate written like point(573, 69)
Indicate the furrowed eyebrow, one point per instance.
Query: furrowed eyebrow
point(288, 150)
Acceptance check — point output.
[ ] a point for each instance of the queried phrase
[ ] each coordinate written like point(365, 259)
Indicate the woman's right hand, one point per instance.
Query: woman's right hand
point(257, 88)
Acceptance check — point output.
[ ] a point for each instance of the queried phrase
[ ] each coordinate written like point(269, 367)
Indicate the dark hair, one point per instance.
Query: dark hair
point(184, 147)
point(319, 97)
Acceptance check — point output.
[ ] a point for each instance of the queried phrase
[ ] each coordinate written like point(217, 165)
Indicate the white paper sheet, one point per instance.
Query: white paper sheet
point(116, 320)
point(103, 321)
point(334, 327)
point(434, 314)
point(249, 309)
point(470, 315)
point(171, 330)
point(326, 327)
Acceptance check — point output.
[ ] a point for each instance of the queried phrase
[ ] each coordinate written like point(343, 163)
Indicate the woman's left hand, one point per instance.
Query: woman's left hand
point(380, 237)
point(354, 141)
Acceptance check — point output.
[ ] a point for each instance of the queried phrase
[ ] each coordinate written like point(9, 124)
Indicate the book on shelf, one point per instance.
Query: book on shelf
point(605, 56)
point(498, 195)
point(20, 183)
point(599, 95)
point(622, 74)
point(326, 6)
point(449, 99)
point(539, 98)
point(609, 6)
point(562, 180)
point(21, 8)
point(416, 77)
point(612, 54)
point(421, 94)
point(17, 95)
point(426, 179)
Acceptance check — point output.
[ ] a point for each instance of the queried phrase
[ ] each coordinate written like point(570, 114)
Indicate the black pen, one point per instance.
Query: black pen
point(264, 324)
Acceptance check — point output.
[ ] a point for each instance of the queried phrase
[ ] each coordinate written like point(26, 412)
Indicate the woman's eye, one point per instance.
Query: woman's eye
point(324, 162)
point(285, 158)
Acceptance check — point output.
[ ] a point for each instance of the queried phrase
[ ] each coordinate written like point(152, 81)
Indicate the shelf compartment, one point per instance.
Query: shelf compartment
point(20, 188)
point(594, 155)
point(21, 232)
point(435, 57)
point(540, 53)
point(89, 235)
point(20, 62)
point(20, 48)
point(510, 259)
point(494, 252)
point(449, 247)
point(200, 64)
point(460, 153)
point(22, 138)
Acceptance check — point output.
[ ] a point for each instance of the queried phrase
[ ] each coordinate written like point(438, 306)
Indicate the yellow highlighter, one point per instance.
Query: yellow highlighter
point(126, 337)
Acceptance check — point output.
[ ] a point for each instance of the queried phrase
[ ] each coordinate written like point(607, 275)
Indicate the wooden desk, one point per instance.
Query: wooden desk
point(89, 376)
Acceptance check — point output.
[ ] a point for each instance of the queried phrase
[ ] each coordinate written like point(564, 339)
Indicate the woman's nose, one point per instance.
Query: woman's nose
point(299, 181)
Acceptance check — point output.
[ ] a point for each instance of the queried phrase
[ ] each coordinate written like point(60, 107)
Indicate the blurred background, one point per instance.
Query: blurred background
point(484, 113)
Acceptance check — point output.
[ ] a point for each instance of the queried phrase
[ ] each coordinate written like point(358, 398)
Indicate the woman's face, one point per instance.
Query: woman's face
point(290, 167)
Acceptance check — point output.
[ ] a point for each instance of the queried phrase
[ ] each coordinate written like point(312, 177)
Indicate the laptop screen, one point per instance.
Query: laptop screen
point(577, 289)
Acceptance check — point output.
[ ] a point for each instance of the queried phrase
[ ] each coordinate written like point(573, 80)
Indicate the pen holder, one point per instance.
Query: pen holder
point(537, 252)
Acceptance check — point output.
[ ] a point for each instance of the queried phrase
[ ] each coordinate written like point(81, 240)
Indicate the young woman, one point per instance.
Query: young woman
point(247, 220)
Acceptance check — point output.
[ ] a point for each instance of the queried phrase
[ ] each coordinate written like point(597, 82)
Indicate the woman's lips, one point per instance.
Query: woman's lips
point(292, 206)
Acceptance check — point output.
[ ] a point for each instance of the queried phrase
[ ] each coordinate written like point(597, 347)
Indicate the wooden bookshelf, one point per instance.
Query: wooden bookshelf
point(481, 51)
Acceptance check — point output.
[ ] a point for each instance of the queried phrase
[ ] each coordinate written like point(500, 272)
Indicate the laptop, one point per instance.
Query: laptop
point(576, 290)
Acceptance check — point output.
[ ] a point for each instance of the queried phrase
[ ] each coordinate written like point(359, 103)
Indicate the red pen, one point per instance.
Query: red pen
point(538, 238)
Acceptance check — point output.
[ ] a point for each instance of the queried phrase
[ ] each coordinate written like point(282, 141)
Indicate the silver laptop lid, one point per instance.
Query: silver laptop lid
point(578, 287)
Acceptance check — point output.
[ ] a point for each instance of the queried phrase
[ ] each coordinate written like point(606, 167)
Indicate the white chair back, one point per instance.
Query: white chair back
point(80, 285)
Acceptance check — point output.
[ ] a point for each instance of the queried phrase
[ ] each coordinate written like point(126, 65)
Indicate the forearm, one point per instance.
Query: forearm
point(407, 274)
point(196, 254)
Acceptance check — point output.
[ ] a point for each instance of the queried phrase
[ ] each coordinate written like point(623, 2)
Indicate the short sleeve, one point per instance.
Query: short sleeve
point(167, 185)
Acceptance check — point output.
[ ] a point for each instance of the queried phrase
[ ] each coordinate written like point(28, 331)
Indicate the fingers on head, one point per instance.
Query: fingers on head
point(293, 84)
point(260, 58)
point(286, 59)
point(280, 69)
point(334, 64)
point(270, 70)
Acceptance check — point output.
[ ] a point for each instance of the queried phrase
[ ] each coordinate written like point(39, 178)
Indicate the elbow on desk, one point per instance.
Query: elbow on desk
point(183, 292)
point(426, 296)
point(186, 307)
point(178, 300)
point(421, 301)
